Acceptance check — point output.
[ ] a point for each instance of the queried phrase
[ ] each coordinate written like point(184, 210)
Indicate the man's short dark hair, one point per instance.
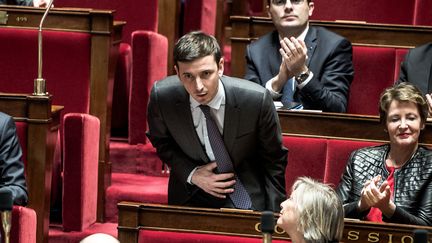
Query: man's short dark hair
point(194, 45)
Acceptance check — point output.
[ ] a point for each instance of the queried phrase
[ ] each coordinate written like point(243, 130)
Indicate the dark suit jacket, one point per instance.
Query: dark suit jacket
point(329, 58)
point(11, 164)
point(417, 68)
point(17, 2)
point(251, 134)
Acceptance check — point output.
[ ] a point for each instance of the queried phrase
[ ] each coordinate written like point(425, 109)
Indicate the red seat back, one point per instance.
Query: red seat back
point(373, 11)
point(139, 15)
point(374, 71)
point(306, 157)
point(338, 152)
point(200, 15)
point(66, 65)
point(80, 176)
point(423, 12)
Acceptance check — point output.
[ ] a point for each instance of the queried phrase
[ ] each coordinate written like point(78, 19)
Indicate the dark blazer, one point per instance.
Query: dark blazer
point(413, 197)
point(251, 134)
point(11, 164)
point(17, 2)
point(417, 68)
point(329, 58)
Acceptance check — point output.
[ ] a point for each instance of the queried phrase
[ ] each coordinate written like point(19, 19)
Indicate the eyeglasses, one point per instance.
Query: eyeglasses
point(283, 2)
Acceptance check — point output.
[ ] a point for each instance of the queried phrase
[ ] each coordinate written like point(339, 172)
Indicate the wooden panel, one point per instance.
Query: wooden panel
point(340, 126)
point(136, 216)
point(247, 29)
point(43, 121)
point(105, 39)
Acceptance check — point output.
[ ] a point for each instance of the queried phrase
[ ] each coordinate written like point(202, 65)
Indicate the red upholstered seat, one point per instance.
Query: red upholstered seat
point(80, 157)
point(200, 15)
point(148, 236)
point(374, 71)
point(400, 56)
point(372, 11)
point(150, 64)
point(66, 65)
point(338, 152)
point(138, 67)
point(306, 157)
point(23, 229)
point(423, 12)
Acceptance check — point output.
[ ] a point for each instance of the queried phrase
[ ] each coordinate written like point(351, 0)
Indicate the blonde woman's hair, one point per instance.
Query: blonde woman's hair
point(321, 215)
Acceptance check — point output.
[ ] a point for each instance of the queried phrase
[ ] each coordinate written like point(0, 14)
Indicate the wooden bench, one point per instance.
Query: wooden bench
point(163, 220)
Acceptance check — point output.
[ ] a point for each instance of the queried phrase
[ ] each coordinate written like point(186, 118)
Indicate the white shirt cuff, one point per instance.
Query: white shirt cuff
point(189, 179)
point(274, 94)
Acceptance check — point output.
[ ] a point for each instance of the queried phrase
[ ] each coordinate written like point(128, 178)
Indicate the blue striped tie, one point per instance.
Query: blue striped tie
point(239, 197)
point(288, 91)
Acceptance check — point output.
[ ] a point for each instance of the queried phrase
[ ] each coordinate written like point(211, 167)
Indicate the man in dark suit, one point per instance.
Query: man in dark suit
point(301, 63)
point(417, 68)
point(11, 164)
point(243, 113)
point(31, 3)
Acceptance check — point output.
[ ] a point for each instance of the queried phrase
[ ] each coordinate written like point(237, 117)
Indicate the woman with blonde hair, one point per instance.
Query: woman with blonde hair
point(313, 213)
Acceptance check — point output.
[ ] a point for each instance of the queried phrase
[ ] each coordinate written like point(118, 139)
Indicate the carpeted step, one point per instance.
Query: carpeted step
point(136, 188)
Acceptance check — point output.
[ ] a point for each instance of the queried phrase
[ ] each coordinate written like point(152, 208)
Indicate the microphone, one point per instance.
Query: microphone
point(267, 226)
point(420, 236)
point(39, 83)
point(6, 203)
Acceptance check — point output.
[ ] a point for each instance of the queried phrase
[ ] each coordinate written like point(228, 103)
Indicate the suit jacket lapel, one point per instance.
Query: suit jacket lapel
point(274, 60)
point(186, 126)
point(311, 43)
point(232, 116)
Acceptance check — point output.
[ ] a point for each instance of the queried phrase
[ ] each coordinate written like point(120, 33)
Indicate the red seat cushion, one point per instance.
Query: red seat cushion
point(23, 229)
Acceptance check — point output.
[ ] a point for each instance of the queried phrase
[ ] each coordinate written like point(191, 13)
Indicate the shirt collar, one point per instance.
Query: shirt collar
point(302, 36)
point(216, 102)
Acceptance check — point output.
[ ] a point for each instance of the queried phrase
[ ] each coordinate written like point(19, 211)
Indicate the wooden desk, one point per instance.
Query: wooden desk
point(105, 39)
point(43, 121)
point(340, 126)
point(136, 216)
point(246, 29)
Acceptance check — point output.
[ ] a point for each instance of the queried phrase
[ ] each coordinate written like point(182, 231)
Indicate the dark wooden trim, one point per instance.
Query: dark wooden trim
point(105, 39)
point(236, 223)
point(43, 121)
point(246, 29)
point(168, 25)
point(339, 126)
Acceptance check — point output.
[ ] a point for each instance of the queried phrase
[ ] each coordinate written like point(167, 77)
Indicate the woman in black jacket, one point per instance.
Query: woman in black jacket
point(392, 182)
